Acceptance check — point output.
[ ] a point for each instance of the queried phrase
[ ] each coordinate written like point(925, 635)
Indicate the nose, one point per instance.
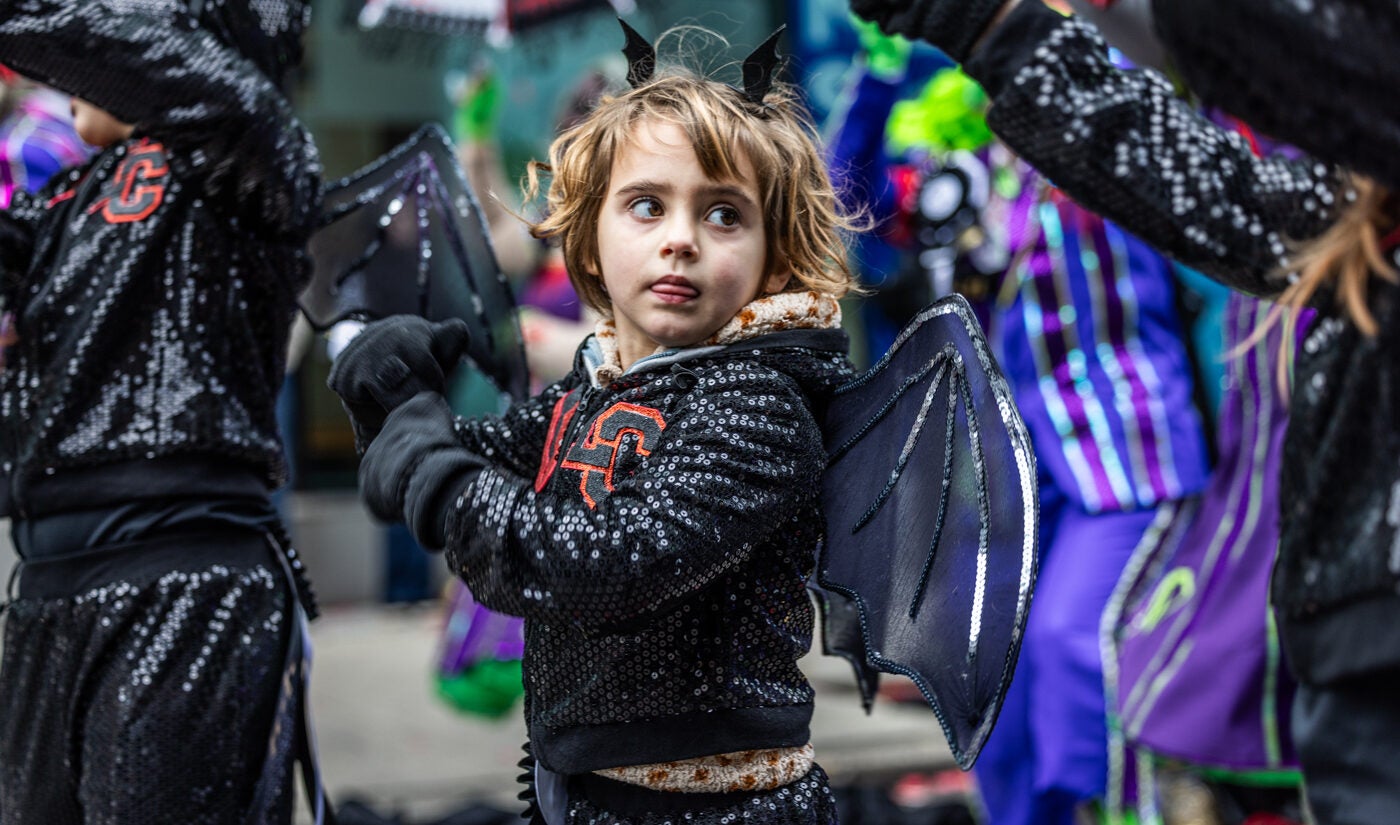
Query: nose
point(680, 242)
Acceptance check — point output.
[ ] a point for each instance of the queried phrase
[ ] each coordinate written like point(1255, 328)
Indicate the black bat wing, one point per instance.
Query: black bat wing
point(931, 524)
point(407, 235)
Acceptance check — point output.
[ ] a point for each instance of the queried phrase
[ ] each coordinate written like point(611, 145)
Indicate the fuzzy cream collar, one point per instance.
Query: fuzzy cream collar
point(771, 313)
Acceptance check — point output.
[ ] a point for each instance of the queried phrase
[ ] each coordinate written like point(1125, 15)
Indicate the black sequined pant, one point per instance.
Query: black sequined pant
point(1348, 739)
point(140, 683)
point(594, 800)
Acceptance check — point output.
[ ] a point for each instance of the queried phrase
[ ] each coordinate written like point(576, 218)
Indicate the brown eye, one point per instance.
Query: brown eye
point(645, 208)
point(723, 216)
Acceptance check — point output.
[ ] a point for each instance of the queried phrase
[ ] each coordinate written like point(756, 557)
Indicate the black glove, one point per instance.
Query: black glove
point(391, 361)
point(952, 25)
point(416, 466)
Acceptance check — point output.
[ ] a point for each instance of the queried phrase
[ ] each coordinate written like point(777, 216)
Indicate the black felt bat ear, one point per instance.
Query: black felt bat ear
point(759, 67)
point(641, 57)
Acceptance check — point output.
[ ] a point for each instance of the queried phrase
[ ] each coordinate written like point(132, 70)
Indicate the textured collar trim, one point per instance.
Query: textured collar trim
point(771, 313)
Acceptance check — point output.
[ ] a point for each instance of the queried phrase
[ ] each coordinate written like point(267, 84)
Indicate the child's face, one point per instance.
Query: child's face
point(96, 127)
point(681, 253)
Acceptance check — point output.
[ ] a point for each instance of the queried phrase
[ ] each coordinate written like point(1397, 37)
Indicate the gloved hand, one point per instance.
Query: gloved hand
point(391, 361)
point(952, 25)
point(415, 468)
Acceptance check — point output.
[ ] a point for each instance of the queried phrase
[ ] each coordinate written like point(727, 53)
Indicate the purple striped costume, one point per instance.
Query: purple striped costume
point(1092, 346)
point(1192, 608)
point(1087, 333)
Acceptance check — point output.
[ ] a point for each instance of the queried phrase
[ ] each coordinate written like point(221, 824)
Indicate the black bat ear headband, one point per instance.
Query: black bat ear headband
point(759, 66)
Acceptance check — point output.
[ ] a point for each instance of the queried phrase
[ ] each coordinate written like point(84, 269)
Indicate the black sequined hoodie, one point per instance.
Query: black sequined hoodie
point(656, 528)
point(1124, 144)
point(153, 288)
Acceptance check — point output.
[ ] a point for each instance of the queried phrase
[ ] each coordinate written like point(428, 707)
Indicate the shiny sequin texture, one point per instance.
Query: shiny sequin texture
point(117, 672)
point(154, 287)
point(1318, 74)
point(657, 533)
point(1123, 144)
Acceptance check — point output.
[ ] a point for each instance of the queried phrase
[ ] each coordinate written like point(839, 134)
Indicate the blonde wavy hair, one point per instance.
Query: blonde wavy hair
point(803, 220)
point(1348, 255)
point(1342, 260)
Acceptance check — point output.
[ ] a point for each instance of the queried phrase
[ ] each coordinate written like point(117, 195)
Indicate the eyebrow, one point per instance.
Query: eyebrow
point(717, 190)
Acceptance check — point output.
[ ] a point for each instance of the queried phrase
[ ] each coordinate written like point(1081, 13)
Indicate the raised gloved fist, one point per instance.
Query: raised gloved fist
point(391, 361)
point(954, 26)
point(416, 467)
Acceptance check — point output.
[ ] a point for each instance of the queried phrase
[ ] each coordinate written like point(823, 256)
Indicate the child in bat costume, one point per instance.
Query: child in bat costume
point(655, 514)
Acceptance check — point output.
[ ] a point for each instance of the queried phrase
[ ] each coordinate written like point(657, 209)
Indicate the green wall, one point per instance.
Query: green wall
point(364, 90)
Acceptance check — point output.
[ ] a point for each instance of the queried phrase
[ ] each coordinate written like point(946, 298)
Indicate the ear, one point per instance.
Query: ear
point(777, 282)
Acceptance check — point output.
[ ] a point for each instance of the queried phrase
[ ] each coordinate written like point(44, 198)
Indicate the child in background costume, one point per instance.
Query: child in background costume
point(654, 515)
point(1081, 317)
point(156, 612)
point(36, 136)
point(1192, 610)
point(1123, 143)
point(36, 142)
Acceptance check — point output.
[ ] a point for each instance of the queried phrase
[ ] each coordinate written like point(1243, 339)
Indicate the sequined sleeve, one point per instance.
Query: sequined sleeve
point(514, 441)
point(182, 86)
point(1122, 143)
point(735, 464)
point(20, 224)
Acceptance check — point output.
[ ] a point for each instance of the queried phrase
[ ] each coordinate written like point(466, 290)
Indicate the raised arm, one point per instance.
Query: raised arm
point(1125, 145)
point(1122, 142)
point(179, 84)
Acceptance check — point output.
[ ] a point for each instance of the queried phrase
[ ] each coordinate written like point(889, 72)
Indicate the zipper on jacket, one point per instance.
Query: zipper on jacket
point(581, 416)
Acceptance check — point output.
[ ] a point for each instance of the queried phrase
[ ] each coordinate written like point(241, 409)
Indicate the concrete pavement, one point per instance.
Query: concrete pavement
point(385, 737)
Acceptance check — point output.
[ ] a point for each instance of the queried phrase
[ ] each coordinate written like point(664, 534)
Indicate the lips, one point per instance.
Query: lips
point(673, 289)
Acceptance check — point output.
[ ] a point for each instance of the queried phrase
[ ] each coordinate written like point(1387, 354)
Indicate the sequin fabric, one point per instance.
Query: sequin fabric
point(657, 533)
point(1122, 143)
point(153, 288)
point(104, 687)
point(808, 801)
point(1319, 74)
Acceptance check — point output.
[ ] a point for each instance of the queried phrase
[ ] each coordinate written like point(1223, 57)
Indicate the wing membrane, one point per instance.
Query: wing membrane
point(930, 498)
point(407, 235)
